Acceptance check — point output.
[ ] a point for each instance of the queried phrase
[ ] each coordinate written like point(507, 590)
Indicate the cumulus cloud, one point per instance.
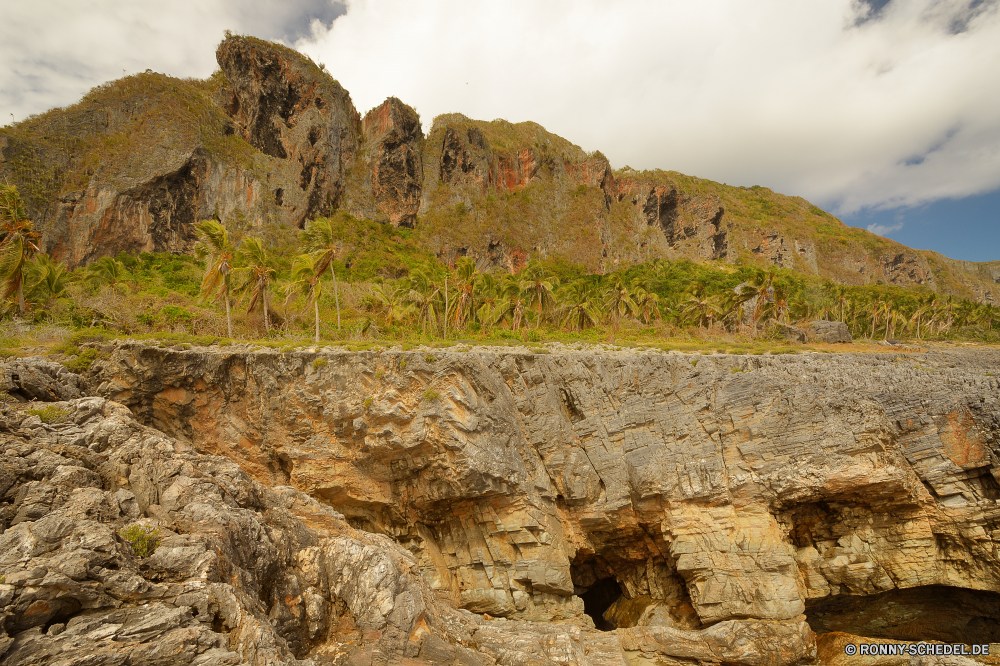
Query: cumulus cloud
point(851, 104)
point(884, 229)
point(55, 51)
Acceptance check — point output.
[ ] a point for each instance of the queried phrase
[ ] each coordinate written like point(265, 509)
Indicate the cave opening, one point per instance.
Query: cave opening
point(932, 612)
point(598, 598)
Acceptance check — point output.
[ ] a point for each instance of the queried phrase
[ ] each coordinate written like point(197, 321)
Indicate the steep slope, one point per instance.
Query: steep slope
point(138, 161)
point(272, 140)
point(640, 489)
point(505, 193)
point(481, 508)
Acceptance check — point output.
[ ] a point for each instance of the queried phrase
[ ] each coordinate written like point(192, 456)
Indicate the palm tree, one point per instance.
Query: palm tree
point(582, 305)
point(466, 276)
point(306, 282)
point(647, 302)
point(923, 307)
point(839, 293)
point(17, 245)
point(618, 301)
point(109, 271)
point(320, 239)
point(761, 289)
point(513, 300)
point(253, 267)
point(424, 293)
point(491, 303)
point(393, 299)
point(220, 251)
point(701, 308)
point(538, 287)
point(48, 278)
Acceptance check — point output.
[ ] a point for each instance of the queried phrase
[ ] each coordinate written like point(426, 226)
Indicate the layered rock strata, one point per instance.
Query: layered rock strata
point(248, 574)
point(634, 489)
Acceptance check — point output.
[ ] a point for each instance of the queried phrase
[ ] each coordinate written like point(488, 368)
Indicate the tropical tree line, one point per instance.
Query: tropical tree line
point(440, 300)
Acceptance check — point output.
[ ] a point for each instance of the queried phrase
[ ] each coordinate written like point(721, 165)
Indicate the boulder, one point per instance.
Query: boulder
point(829, 331)
point(33, 378)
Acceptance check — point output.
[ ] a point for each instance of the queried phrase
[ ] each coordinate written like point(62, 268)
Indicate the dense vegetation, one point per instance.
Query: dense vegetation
point(356, 280)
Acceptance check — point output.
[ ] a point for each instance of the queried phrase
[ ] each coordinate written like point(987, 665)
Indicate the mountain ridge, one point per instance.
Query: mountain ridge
point(271, 140)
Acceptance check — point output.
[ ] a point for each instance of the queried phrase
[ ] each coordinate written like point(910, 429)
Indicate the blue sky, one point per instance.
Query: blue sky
point(879, 111)
point(967, 228)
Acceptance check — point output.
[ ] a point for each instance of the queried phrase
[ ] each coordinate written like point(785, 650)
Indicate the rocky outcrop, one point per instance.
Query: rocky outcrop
point(272, 141)
point(904, 269)
point(646, 492)
point(288, 109)
point(141, 160)
point(34, 379)
point(692, 226)
point(246, 574)
point(386, 181)
point(829, 331)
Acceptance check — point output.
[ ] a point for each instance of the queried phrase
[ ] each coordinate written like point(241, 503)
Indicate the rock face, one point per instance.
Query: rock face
point(386, 181)
point(138, 162)
point(271, 141)
point(246, 574)
point(829, 331)
point(32, 378)
point(685, 503)
point(288, 109)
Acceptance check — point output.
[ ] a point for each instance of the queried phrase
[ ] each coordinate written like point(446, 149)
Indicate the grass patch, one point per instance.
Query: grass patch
point(83, 360)
point(49, 413)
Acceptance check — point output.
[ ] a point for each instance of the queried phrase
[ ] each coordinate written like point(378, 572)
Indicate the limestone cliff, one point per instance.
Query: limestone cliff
point(657, 489)
point(504, 507)
point(135, 164)
point(385, 182)
point(271, 140)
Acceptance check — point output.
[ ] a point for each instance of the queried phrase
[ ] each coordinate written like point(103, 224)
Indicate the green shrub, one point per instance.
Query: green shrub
point(49, 413)
point(430, 395)
point(142, 539)
point(320, 363)
point(83, 361)
point(429, 358)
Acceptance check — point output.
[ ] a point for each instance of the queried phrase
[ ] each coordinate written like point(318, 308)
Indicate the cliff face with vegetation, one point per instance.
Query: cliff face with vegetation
point(513, 508)
point(272, 140)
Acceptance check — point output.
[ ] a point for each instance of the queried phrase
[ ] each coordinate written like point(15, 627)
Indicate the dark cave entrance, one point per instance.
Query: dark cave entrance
point(598, 598)
point(933, 612)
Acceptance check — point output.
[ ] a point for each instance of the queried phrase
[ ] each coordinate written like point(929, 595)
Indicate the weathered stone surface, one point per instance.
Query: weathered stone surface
point(723, 507)
point(33, 378)
point(737, 487)
point(290, 110)
point(386, 180)
point(829, 331)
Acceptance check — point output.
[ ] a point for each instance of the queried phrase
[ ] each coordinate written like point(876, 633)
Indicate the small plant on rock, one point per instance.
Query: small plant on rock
point(430, 395)
point(49, 413)
point(142, 539)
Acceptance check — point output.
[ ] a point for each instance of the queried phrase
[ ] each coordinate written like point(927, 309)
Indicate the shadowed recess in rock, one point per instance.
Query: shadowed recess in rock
point(932, 612)
point(598, 598)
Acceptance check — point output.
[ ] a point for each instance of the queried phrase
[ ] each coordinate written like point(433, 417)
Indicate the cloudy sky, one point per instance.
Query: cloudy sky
point(886, 113)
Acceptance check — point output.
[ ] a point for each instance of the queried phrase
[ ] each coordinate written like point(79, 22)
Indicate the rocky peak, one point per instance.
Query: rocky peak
point(389, 173)
point(289, 109)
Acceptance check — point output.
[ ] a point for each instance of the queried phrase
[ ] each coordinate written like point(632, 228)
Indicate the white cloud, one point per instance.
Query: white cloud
point(884, 229)
point(54, 51)
point(898, 110)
